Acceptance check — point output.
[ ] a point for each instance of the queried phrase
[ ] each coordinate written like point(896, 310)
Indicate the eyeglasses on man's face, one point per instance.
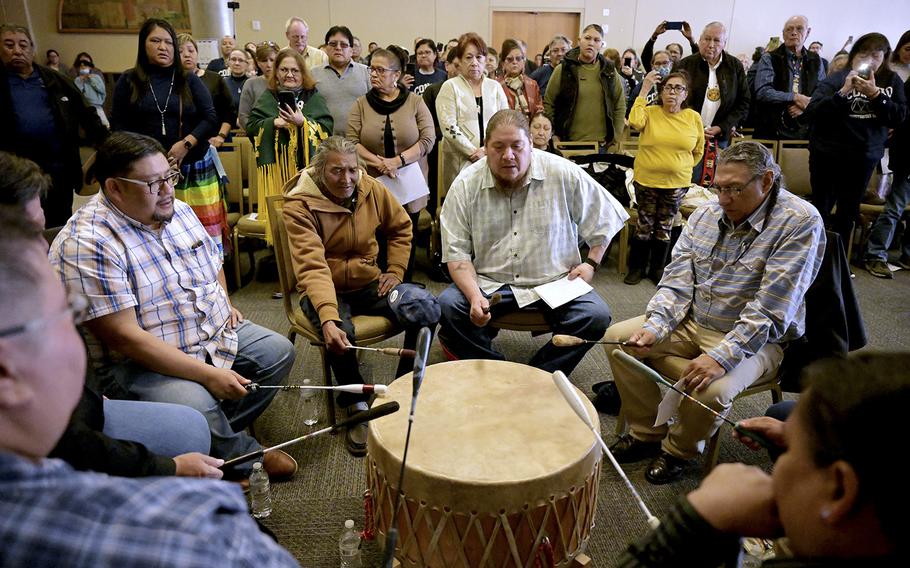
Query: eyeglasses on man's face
point(733, 191)
point(339, 44)
point(172, 179)
point(76, 306)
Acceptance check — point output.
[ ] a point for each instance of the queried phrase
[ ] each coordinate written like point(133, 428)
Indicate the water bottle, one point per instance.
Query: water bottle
point(260, 493)
point(310, 405)
point(349, 545)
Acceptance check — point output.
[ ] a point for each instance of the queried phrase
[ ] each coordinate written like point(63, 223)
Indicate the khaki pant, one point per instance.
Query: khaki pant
point(685, 438)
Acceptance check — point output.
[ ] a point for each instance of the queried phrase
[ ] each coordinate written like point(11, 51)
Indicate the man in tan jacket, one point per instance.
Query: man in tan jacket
point(332, 216)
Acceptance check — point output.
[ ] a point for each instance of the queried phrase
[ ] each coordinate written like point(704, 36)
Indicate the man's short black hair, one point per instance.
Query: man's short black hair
point(343, 30)
point(118, 153)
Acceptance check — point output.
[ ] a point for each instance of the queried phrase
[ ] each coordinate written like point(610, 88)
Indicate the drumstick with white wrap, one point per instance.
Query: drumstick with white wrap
point(355, 388)
point(568, 392)
point(560, 340)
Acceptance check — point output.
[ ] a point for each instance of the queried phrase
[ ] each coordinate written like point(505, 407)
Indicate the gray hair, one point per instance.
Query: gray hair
point(295, 20)
point(562, 38)
point(756, 157)
point(715, 25)
point(337, 144)
point(17, 29)
point(508, 117)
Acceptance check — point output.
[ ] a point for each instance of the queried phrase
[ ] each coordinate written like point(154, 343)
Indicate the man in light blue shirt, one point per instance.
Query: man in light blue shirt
point(732, 293)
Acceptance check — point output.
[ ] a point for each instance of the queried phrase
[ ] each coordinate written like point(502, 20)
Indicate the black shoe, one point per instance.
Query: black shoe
point(665, 469)
point(634, 276)
point(355, 438)
point(879, 269)
point(904, 262)
point(629, 450)
point(606, 398)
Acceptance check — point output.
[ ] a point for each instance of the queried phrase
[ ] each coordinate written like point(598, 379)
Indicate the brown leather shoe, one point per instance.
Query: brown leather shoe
point(629, 450)
point(279, 465)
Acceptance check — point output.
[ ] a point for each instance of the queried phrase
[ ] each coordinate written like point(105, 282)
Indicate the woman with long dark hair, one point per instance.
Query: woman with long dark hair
point(851, 112)
point(160, 99)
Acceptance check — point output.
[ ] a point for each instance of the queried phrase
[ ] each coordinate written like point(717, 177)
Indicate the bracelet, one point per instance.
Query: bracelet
point(593, 263)
point(401, 157)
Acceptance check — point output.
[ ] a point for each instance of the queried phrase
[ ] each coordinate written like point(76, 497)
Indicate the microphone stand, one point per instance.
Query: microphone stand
point(420, 368)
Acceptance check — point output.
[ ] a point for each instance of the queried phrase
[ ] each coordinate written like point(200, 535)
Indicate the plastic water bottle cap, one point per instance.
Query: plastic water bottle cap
point(257, 466)
point(349, 524)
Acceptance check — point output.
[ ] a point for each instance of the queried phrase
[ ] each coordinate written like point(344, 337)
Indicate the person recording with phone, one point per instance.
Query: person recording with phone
point(674, 49)
point(851, 112)
point(662, 63)
point(292, 116)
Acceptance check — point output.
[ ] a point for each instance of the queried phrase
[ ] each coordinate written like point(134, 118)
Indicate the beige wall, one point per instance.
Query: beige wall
point(630, 21)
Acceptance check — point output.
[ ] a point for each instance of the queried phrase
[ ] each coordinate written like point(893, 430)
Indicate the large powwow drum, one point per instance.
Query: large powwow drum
point(499, 470)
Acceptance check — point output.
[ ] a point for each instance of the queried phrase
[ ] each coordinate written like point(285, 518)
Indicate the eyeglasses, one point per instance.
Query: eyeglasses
point(733, 191)
point(380, 70)
point(516, 59)
point(155, 186)
point(674, 88)
point(288, 71)
point(76, 306)
point(341, 44)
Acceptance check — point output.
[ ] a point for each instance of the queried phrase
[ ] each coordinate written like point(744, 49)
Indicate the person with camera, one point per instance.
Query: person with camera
point(288, 121)
point(851, 112)
point(672, 141)
point(674, 49)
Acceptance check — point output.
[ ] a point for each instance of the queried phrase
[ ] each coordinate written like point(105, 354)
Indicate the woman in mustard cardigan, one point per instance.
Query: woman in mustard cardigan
point(672, 141)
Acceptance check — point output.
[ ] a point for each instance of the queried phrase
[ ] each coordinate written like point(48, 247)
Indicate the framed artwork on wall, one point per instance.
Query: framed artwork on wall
point(123, 16)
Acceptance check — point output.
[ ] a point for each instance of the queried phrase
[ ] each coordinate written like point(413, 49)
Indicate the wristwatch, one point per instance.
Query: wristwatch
point(401, 157)
point(187, 144)
point(593, 263)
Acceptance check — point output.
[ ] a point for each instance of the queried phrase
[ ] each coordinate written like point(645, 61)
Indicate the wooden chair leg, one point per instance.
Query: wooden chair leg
point(712, 451)
point(327, 381)
point(620, 423)
point(237, 276)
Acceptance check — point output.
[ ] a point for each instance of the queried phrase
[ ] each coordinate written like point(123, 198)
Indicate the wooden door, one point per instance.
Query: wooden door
point(536, 28)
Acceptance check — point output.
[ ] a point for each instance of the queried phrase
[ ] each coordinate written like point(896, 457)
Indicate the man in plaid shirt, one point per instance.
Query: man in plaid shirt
point(158, 299)
point(53, 515)
point(513, 221)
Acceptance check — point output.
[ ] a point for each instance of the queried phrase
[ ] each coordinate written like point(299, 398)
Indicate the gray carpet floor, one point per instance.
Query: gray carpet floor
point(309, 511)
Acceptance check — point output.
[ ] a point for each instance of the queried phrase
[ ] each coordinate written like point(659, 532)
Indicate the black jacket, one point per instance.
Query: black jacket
point(852, 125)
point(769, 122)
point(70, 111)
point(564, 103)
point(734, 90)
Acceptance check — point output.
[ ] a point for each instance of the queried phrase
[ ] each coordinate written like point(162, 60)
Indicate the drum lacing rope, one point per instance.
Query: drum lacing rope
point(545, 549)
point(368, 523)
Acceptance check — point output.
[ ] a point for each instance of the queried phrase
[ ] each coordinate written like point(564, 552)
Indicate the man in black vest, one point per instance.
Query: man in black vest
point(784, 81)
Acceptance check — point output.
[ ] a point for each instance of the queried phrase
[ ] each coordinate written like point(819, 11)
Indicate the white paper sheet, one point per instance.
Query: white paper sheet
point(561, 291)
point(669, 405)
point(408, 186)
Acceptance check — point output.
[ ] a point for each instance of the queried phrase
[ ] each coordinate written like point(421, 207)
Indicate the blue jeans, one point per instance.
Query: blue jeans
point(883, 229)
point(263, 357)
point(587, 317)
point(165, 429)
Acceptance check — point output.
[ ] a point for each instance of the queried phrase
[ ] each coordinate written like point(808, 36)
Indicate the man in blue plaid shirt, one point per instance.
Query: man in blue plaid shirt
point(158, 301)
point(53, 515)
point(732, 293)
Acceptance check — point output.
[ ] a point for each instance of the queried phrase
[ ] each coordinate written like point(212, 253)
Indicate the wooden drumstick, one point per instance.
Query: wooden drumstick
point(657, 378)
point(568, 392)
point(560, 340)
point(494, 299)
point(409, 353)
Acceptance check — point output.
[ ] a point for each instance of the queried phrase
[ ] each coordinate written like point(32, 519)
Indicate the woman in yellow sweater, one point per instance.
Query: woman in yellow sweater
point(672, 141)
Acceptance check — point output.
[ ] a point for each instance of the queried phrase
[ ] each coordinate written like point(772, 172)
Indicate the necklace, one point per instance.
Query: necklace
point(166, 101)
